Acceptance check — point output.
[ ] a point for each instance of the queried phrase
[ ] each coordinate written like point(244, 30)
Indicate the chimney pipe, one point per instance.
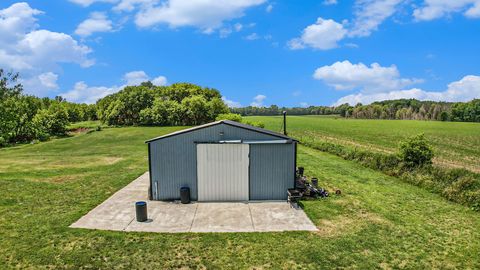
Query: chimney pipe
point(285, 122)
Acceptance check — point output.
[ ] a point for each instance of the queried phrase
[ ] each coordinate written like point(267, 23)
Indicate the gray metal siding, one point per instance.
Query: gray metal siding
point(174, 159)
point(272, 171)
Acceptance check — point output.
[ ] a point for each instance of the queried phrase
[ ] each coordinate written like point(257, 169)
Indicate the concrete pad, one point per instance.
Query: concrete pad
point(222, 217)
point(270, 216)
point(117, 213)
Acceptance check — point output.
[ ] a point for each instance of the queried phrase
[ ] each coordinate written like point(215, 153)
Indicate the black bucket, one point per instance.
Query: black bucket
point(141, 211)
point(185, 195)
point(315, 182)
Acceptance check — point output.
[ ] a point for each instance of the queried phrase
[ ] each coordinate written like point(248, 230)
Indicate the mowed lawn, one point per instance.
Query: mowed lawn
point(456, 144)
point(377, 222)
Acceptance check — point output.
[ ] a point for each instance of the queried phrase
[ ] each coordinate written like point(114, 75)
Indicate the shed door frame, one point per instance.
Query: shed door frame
point(222, 167)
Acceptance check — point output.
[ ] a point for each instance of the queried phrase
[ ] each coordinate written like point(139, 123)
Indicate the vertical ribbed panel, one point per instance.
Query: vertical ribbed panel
point(174, 159)
point(272, 171)
point(222, 171)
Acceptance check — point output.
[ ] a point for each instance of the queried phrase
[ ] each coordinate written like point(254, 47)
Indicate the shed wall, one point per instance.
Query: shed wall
point(272, 171)
point(174, 159)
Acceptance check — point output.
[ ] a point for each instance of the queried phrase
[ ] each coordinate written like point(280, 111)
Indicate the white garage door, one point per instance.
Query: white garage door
point(222, 172)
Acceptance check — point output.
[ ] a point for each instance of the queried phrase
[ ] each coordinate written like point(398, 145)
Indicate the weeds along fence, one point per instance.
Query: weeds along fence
point(457, 185)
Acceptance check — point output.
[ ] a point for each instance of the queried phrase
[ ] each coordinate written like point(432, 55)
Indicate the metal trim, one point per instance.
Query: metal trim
point(150, 193)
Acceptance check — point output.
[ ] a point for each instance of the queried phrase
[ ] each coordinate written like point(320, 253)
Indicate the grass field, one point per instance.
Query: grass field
point(378, 222)
point(456, 144)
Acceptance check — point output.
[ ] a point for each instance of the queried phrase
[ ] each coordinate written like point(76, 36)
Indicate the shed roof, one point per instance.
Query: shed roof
point(226, 122)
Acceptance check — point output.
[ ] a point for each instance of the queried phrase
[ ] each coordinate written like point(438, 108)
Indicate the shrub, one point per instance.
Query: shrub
point(3, 142)
point(254, 123)
point(416, 151)
point(229, 116)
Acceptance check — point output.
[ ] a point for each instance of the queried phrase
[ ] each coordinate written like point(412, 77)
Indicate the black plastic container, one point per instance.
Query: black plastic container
point(185, 195)
point(141, 211)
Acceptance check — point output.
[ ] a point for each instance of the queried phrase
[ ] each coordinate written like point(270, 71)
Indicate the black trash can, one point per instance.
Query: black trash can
point(185, 195)
point(141, 211)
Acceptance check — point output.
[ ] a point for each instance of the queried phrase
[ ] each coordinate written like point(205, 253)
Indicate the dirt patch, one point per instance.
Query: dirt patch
point(79, 130)
point(111, 160)
point(346, 224)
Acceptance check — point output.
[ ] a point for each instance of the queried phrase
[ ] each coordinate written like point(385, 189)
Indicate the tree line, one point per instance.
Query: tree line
point(275, 110)
point(24, 118)
point(412, 109)
point(401, 109)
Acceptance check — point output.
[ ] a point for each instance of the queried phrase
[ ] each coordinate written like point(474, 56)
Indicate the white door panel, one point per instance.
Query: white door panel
point(222, 172)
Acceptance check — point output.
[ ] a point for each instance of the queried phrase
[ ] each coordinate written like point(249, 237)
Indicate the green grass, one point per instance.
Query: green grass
point(85, 124)
point(456, 145)
point(378, 222)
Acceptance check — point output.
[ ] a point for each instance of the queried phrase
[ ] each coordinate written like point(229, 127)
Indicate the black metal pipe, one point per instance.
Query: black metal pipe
point(285, 122)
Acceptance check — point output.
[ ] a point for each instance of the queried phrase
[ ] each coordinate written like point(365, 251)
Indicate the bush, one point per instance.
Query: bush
point(416, 151)
point(52, 121)
point(254, 123)
point(229, 116)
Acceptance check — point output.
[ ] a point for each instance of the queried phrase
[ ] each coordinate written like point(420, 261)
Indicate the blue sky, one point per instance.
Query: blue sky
point(259, 52)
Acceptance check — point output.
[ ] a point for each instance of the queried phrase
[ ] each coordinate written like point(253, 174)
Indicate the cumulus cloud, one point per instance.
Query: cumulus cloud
point(81, 92)
point(207, 15)
point(374, 78)
point(466, 89)
point(433, 9)
point(97, 22)
point(323, 35)
point(231, 103)
point(41, 84)
point(258, 101)
point(34, 52)
point(84, 93)
point(137, 77)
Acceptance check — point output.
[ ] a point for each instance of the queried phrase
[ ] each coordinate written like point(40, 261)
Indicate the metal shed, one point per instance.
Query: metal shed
point(222, 161)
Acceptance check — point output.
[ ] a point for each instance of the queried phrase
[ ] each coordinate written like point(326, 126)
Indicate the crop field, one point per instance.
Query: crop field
point(456, 145)
point(377, 222)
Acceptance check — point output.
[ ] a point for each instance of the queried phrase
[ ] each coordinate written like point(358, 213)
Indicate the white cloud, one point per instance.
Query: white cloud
point(304, 104)
point(207, 15)
point(433, 9)
point(231, 103)
point(137, 77)
point(160, 81)
point(258, 101)
point(36, 53)
point(466, 89)
point(83, 93)
point(252, 36)
point(40, 84)
point(49, 80)
point(374, 78)
point(97, 22)
point(330, 2)
point(269, 8)
point(370, 14)
point(87, 3)
point(322, 35)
